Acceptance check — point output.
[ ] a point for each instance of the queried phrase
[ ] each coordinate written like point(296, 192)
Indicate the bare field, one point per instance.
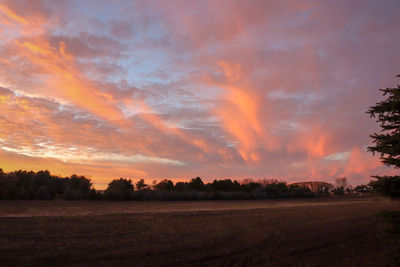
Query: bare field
point(313, 232)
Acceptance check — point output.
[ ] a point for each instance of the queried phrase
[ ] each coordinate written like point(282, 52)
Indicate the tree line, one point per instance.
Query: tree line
point(42, 185)
point(196, 189)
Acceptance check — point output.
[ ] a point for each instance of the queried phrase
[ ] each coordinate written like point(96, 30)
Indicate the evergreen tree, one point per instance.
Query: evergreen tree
point(387, 142)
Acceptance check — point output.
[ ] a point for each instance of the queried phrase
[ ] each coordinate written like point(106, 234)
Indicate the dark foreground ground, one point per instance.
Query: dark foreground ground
point(317, 232)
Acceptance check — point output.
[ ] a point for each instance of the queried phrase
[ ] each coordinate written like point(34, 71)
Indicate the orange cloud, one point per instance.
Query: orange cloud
point(65, 79)
point(240, 112)
point(233, 72)
point(12, 16)
point(313, 141)
point(361, 162)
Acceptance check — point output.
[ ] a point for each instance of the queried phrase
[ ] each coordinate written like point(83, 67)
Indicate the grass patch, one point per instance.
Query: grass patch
point(392, 234)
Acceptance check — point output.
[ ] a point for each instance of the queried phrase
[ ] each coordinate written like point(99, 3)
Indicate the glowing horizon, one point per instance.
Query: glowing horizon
point(216, 89)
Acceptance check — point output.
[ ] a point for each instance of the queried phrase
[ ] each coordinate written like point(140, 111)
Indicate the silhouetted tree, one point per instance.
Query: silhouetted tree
point(341, 182)
point(340, 186)
point(42, 185)
point(43, 193)
point(387, 185)
point(44, 178)
point(387, 142)
point(95, 195)
point(277, 190)
point(70, 194)
point(120, 189)
point(297, 191)
point(250, 186)
point(141, 185)
point(196, 184)
point(226, 185)
point(8, 187)
point(61, 185)
point(25, 188)
point(181, 186)
point(164, 185)
point(79, 186)
point(338, 191)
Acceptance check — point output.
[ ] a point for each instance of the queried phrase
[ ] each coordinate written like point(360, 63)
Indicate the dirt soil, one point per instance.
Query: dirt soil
point(316, 232)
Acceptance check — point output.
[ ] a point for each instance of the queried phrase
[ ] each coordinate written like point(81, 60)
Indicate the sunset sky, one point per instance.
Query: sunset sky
point(179, 89)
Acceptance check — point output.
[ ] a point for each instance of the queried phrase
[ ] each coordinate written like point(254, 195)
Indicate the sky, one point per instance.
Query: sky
point(180, 89)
